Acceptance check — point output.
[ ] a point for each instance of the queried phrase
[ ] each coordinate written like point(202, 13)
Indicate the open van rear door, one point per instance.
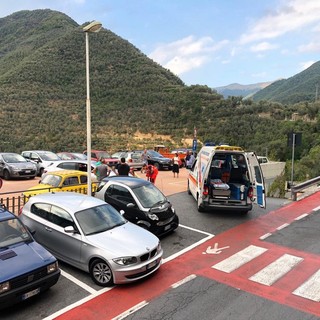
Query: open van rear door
point(258, 180)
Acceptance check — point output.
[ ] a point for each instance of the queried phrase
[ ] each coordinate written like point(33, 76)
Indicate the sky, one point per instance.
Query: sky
point(206, 42)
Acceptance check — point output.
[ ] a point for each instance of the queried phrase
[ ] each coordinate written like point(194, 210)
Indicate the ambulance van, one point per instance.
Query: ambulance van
point(226, 178)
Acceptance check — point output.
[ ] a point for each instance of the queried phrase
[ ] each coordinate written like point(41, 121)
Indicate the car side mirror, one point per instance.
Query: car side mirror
point(69, 229)
point(121, 212)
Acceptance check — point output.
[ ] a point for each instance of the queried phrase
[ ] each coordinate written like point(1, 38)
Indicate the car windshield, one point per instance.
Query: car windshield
point(80, 156)
point(12, 231)
point(13, 158)
point(136, 155)
point(156, 154)
point(49, 156)
point(149, 195)
point(52, 180)
point(99, 219)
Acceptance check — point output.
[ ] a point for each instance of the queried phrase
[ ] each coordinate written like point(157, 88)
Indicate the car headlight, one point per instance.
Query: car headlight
point(125, 261)
point(153, 216)
point(16, 169)
point(52, 267)
point(172, 208)
point(5, 286)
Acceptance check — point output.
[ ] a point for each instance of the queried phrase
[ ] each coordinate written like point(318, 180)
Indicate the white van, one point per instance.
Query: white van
point(226, 178)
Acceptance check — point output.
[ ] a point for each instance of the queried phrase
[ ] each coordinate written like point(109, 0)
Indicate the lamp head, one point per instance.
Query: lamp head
point(94, 26)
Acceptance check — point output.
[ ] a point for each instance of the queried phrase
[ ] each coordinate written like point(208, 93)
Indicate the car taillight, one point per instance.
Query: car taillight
point(250, 193)
point(205, 191)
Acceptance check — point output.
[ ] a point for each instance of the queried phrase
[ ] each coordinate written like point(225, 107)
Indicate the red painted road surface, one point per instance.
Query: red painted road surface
point(200, 262)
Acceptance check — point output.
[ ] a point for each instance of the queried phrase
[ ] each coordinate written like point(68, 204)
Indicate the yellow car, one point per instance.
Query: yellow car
point(63, 180)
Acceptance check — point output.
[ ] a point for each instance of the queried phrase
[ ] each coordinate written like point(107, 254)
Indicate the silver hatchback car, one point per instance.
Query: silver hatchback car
point(91, 235)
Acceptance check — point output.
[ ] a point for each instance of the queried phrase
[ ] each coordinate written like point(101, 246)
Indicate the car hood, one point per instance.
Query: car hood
point(127, 239)
point(40, 188)
point(161, 159)
point(23, 258)
point(23, 165)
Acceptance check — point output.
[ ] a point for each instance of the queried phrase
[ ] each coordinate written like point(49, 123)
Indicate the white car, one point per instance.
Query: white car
point(80, 165)
point(91, 235)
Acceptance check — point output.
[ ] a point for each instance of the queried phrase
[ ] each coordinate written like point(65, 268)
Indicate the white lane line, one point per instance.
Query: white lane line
point(78, 282)
point(310, 289)
point(275, 270)
point(186, 249)
point(283, 226)
point(316, 209)
point(185, 280)
point(131, 310)
point(196, 230)
point(265, 236)
point(302, 216)
point(77, 304)
point(240, 258)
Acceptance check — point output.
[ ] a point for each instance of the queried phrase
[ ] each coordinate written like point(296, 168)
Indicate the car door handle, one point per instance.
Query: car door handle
point(48, 229)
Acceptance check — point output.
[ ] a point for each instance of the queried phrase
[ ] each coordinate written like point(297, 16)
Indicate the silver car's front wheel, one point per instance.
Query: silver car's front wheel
point(101, 273)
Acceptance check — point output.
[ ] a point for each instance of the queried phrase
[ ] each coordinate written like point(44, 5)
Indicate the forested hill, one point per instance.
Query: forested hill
point(135, 103)
point(304, 86)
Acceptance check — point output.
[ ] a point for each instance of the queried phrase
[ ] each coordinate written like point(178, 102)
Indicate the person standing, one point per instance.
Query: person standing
point(123, 168)
point(175, 167)
point(101, 171)
point(144, 159)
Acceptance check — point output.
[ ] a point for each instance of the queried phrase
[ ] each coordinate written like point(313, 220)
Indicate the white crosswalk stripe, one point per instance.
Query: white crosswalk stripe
point(240, 258)
point(310, 289)
point(275, 270)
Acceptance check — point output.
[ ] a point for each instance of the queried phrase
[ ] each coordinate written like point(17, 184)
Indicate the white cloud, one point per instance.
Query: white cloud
point(263, 46)
point(186, 54)
point(292, 15)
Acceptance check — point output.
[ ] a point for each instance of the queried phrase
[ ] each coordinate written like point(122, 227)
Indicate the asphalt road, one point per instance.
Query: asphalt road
point(191, 283)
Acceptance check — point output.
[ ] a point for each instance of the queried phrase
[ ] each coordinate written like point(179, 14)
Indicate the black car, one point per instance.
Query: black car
point(158, 160)
point(27, 268)
point(140, 202)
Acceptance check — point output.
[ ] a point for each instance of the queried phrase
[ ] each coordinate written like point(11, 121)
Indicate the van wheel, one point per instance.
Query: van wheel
point(189, 192)
point(200, 207)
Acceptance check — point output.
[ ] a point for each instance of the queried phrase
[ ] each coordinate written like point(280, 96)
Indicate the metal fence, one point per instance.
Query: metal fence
point(302, 186)
point(14, 201)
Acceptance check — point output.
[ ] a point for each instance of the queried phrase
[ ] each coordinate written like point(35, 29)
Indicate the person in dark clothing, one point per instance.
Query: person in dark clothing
point(123, 168)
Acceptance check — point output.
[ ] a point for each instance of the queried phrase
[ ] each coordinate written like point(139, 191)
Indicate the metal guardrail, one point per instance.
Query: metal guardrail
point(303, 185)
point(15, 200)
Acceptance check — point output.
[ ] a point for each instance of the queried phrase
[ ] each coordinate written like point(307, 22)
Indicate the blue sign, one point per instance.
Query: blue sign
point(194, 145)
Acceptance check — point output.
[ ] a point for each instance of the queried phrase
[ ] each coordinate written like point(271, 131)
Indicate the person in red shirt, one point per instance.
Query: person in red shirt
point(152, 173)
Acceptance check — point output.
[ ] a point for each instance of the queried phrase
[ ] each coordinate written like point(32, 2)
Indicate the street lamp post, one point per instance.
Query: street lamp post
point(94, 26)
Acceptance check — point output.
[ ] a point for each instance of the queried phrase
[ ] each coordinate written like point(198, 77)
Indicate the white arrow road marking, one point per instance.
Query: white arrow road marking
point(215, 249)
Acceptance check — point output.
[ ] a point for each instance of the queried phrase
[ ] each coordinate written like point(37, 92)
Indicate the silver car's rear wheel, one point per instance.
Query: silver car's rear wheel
point(101, 273)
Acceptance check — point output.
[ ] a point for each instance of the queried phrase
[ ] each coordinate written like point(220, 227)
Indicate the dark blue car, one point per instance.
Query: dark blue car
point(26, 268)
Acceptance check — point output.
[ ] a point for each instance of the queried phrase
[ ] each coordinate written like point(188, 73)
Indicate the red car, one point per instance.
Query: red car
point(96, 155)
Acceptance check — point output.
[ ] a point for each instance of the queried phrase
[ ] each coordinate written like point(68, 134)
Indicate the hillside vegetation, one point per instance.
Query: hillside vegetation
point(135, 103)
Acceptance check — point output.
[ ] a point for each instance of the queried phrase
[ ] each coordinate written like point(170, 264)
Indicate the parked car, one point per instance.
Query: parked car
point(96, 155)
point(80, 165)
point(41, 158)
point(158, 160)
point(133, 158)
point(72, 156)
point(26, 268)
point(140, 201)
point(91, 235)
point(63, 180)
point(13, 165)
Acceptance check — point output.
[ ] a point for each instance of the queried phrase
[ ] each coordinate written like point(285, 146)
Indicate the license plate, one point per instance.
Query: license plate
point(27, 171)
point(152, 264)
point(167, 227)
point(30, 294)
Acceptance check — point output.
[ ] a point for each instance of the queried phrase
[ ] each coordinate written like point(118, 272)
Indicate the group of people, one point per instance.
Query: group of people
point(102, 170)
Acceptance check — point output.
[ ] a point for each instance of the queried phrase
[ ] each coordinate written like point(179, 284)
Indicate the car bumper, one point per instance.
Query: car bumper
point(164, 227)
point(227, 205)
point(23, 174)
point(29, 290)
point(134, 273)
